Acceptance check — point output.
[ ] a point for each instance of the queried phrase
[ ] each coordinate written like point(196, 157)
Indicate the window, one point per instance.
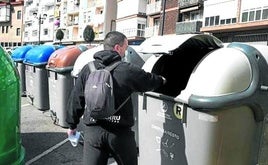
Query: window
point(233, 20)
point(18, 32)
point(19, 14)
point(222, 21)
point(6, 29)
point(254, 15)
point(206, 21)
point(195, 15)
point(34, 33)
point(141, 29)
point(251, 15)
point(217, 20)
point(265, 14)
point(211, 21)
point(26, 34)
point(3, 29)
point(228, 21)
point(156, 21)
point(245, 17)
point(5, 13)
point(258, 15)
point(45, 31)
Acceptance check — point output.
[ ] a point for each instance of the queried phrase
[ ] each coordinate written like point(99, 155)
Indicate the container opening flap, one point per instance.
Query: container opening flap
point(178, 67)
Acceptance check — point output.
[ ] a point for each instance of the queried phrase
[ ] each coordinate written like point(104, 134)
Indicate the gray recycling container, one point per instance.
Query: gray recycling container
point(220, 117)
point(161, 134)
point(18, 56)
point(36, 77)
point(60, 82)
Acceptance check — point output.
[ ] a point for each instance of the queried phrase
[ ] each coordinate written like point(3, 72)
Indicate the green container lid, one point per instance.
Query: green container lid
point(11, 149)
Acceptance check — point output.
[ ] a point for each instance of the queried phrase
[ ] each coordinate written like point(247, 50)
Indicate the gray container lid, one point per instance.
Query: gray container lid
point(229, 77)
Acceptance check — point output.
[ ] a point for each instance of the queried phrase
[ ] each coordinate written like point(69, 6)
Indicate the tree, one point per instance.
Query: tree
point(59, 35)
point(88, 34)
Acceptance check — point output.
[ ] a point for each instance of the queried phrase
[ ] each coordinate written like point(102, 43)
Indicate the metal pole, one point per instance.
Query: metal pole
point(39, 31)
point(163, 16)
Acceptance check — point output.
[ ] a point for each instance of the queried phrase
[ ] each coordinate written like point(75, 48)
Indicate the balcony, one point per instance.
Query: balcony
point(151, 31)
point(153, 8)
point(188, 27)
point(189, 3)
point(133, 32)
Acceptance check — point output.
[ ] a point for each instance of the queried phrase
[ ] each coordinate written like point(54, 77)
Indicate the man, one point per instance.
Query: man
point(112, 135)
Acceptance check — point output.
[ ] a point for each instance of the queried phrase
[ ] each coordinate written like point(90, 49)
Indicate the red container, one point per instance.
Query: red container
point(64, 57)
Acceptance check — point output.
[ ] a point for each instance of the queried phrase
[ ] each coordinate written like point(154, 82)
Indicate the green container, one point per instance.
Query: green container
point(11, 149)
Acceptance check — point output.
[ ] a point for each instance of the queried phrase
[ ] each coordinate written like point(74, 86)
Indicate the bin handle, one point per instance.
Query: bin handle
point(51, 64)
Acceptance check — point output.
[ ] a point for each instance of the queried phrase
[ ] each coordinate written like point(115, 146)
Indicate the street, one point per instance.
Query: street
point(46, 143)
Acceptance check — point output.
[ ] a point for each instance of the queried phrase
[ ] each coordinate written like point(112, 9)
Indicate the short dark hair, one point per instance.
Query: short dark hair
point(113, 38)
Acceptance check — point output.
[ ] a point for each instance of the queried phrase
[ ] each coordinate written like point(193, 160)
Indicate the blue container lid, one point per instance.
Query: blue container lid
point(39, 55)
point(19, 53)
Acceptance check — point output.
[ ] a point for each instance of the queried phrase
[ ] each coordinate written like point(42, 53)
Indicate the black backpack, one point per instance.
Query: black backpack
point(99, 96)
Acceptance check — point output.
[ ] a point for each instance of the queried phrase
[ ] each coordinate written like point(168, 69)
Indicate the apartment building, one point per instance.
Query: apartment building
point(11, 23)
point(190, 16)
point(237, 20)
point(131, 19)
point(72, 16)
point(137, 19)
point(38, 21)
point(162, 16)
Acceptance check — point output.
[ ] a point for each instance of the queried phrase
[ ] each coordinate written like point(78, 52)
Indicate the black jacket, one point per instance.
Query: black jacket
point(127, 78)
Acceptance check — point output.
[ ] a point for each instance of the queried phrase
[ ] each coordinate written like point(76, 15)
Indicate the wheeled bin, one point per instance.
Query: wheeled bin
point(36, 75)
point(60, 81)
point(11, 149)
point(84, 58)
point(18, 56)
point(161, 134)
point(218, 116)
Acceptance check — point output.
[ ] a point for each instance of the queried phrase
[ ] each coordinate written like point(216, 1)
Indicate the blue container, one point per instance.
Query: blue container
point(36, 77)
point(19, 53)
point(18, 56)
point(39, 55)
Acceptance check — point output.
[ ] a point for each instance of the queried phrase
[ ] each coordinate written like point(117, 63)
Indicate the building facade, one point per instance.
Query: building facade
point(11, 23)
point(244, 21)
point(190, 16)
point(131, 19)
point(36, 21)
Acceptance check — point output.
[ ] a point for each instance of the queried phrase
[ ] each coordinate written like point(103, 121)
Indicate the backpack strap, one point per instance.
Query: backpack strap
point(123, 103)
point(91, 66)
point(112, 66)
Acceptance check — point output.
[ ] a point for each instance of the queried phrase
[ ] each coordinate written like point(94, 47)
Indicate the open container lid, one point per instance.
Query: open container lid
point(175, 57)
point(168, 43)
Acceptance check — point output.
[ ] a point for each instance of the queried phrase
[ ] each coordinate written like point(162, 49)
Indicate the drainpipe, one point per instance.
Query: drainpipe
point(163, 16)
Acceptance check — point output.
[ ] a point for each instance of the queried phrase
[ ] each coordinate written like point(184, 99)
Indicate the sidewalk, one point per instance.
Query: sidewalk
point(46, 143)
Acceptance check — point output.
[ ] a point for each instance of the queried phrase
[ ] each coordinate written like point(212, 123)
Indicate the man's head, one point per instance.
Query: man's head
point(116, 41)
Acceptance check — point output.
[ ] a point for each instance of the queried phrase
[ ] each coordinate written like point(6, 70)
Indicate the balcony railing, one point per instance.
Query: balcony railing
point(151, 31)
point(153, 8)
point(188, 27)
point(189, 3)
point(133, 32)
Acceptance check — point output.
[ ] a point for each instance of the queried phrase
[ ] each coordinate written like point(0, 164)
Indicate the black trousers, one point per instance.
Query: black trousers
point(100, 143)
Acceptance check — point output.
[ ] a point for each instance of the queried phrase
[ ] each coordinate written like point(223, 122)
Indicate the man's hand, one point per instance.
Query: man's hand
point(71, 132)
